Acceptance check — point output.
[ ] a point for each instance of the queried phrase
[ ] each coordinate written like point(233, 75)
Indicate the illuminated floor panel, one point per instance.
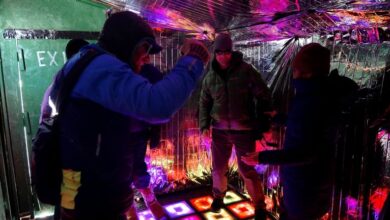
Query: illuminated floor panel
point(178, 209)
point(231, 197)
point(145, 215)
point(242, 210)
point(197, 206)
point(202, 203)
point(192, 217)
point(223, 214)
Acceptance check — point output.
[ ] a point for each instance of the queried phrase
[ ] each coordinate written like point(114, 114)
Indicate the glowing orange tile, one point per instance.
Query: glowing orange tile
point(202, 203)
point(242, 210)
point(223, 214)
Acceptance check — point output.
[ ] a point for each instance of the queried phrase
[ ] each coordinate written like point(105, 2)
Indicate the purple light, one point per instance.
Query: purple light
point(273, 179)
point(146, 215)
point(261, 168)
point(192, 217)
point(157, 175)
point(178, 209)
point(353, 209)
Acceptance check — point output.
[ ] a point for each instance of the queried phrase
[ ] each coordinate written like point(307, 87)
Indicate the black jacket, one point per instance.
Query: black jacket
point(307, 157)
point(232, 99)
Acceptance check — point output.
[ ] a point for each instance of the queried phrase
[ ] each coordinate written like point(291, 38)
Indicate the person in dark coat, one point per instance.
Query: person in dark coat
point(307, 157)
point(141, 134)
point(233, 95)
point(97, 162)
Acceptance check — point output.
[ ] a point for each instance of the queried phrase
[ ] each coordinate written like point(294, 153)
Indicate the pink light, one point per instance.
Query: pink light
point(272, 6)
point(146, 215)
point(202, 203)
point(242, 209)
point(353, 208)
point(178, 209)
point(192, 217)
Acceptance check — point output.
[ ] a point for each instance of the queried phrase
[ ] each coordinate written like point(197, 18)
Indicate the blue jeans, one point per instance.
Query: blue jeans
point(141, 177)
point(244, 142)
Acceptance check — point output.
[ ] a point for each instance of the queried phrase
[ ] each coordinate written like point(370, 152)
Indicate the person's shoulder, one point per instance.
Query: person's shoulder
point(248, 68)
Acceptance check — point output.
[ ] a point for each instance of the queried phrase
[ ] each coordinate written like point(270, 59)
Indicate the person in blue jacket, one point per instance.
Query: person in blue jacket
point(141, 134)
point(96, 158)
point(307, 159)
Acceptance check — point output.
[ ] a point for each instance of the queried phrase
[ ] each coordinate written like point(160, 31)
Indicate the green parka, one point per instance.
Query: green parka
point(233, 99)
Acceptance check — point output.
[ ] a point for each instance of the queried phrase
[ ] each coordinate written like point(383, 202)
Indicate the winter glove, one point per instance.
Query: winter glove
point(195, 48)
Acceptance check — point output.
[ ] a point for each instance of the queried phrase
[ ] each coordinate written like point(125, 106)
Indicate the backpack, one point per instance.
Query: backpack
point(46, 169)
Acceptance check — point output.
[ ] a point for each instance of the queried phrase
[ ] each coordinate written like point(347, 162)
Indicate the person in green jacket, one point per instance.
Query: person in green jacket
point(233, 96)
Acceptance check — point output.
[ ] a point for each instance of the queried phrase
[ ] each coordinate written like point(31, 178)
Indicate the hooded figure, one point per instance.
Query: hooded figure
point(307, 156)
point(97, 162)
point(123, 32)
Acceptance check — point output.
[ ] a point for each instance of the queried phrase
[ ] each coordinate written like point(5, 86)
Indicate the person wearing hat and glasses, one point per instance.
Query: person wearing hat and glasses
point(96, 157)
point(233, 94)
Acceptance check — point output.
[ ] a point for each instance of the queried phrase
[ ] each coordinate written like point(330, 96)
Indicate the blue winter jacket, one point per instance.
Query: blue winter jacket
point(94, 126)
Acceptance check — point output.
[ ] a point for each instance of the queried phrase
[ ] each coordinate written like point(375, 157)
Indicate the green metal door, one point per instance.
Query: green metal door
point(39, 60)
point(29, 66)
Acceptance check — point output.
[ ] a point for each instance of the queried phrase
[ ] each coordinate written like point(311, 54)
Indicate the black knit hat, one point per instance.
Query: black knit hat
point(121, 33)
point(223, 42)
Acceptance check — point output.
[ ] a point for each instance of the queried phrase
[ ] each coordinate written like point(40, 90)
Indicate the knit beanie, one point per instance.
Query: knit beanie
point(313, 59)
point(122, 32)
point(223, 42)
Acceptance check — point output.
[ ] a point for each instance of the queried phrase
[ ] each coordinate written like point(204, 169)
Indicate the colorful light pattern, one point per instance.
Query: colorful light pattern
point(242, 210)
point(178, 209)
point(273, 179)
point(353, 209)
point(358, 18)
point(378, 198)
point(146, 215)
point(192, 217)
point(269, 203)
point(223, 214)
point(172, 19)
point(231, 197)
point(202, 203)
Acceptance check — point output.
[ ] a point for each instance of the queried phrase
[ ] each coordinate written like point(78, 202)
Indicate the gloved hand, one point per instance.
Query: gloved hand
point(195, 48)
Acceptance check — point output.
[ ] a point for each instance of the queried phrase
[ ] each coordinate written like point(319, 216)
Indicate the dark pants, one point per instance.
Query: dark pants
point(139, 144)
point(244, 142)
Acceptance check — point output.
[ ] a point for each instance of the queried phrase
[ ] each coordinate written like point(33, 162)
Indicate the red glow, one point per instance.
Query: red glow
point(202, 203)
point(242, 210)
point(378, 198)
